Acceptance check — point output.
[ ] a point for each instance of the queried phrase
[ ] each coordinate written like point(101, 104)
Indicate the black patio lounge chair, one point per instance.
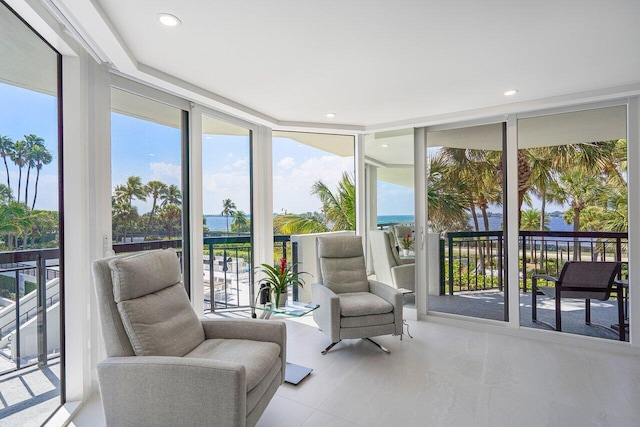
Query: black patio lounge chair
point(588, 280)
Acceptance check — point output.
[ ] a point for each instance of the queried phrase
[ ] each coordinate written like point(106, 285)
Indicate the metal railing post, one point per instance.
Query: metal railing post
point(442, 281)
point(450, 239)
point(17, 335)
point(41, 296)
point(294, 260)
point(212, 289)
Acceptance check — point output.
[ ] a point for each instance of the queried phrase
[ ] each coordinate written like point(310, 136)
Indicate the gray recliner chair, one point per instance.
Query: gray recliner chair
point(166, 367)
point(387, 264)
point(350, 305)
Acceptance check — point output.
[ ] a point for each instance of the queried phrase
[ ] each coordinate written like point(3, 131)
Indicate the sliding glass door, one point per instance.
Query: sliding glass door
point(31, 232)
point(227, 215)
point(465, 200)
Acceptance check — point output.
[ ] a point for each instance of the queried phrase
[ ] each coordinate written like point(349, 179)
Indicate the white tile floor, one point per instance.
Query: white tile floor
point(447, 376)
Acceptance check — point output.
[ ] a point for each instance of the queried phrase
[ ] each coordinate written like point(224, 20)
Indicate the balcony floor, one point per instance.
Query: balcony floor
point(446, 376)
point(490, 305)
point(29, 396)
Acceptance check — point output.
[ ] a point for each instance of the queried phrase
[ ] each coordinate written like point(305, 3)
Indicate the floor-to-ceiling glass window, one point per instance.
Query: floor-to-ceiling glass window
point(313, 192)
point(147, 143)
point(465, 200)
point(389, 172)
point(30, 195)
point(573, 208)
point(226, 204)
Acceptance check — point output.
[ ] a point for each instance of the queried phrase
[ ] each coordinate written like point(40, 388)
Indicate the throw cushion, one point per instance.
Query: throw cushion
point(162, 323)
point(141, 274)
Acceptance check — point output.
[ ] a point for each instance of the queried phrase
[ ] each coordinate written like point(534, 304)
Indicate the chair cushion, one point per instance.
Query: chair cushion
point(344, 274)
point(162, 323)
point(362, 304)
point(363, 321)
point(144, 273)
point(258, 357)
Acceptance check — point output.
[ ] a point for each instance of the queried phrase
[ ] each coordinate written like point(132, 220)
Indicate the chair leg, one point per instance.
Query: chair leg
point(326, 350)
point(587, 307)
point(534, 300)
point(621, 328)
point(377, 345)
point(558, 309)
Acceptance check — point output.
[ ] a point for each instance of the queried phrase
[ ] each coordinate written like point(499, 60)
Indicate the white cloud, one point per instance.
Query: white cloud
point(222, 185)
point(168, 173)
point(286, 163)
point(292, 187)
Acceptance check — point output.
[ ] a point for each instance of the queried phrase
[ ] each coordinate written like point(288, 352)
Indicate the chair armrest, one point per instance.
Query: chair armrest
point(327, 316)
point(250, 329)
point(404, 276)
point(545, 277)
point(393, 297)
point(162, 391)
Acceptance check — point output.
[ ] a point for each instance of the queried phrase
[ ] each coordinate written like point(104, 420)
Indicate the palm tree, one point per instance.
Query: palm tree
point(340, 208)
point(155, 189)
point(446, 204)
point(134, 188)
point(19, 157)
point(172, 196)
point(579, 188)
point(170, 216)
point(32, 142)
point(298, 224)
point(6, 149)
point(531, 220)
point(11, 214)
point(240, 222)
point(15, 219)
point(41, 156)
point(228, 209)
point(5, 194)
point(123, 214)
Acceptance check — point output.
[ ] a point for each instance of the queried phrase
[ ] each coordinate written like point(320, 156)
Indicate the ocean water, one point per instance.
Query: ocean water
point(495, 222)
point(219, 223)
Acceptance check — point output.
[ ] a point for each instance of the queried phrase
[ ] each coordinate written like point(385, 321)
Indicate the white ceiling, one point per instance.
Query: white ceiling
point(371, 61)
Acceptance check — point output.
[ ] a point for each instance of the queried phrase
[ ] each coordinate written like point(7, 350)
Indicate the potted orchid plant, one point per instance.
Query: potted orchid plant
point(407, 244)
point(278, 279)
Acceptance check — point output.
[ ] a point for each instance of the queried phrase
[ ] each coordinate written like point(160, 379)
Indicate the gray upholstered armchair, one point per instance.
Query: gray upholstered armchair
point(350, 305)
point(166, 367)
point(387, 264)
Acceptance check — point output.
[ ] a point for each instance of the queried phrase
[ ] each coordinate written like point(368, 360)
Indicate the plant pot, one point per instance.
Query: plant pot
point(405, 252)
point(280, 299)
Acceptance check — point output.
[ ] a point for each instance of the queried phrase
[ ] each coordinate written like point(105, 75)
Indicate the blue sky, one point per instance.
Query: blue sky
point(152, 151)
point(24, 112)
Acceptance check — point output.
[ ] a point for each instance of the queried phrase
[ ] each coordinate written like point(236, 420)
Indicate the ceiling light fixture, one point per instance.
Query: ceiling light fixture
point(510, 92)
point(169, 20)
point(330, 115)
point(385, 145)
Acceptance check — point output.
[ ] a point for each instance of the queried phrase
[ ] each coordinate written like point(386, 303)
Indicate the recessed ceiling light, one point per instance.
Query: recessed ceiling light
point(510, 92)
point(169, 20)
point(384, 145)
point(330, 115)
